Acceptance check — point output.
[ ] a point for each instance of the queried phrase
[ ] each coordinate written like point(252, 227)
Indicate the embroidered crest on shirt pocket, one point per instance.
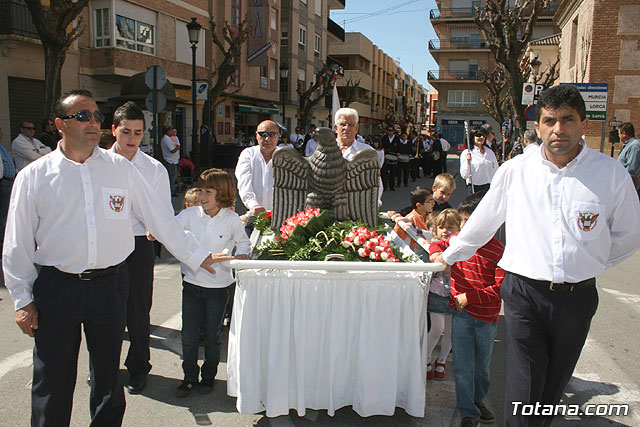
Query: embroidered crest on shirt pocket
point(115, 202)
point(587, 219)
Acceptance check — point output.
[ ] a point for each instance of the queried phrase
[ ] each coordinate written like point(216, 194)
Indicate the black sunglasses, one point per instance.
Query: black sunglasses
point(265, 134)
point(479, 135)
point(28, 128)
point(85, 116)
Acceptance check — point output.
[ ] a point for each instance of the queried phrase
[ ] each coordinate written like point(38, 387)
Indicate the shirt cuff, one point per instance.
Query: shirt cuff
point(21, 299)
point(196, 259)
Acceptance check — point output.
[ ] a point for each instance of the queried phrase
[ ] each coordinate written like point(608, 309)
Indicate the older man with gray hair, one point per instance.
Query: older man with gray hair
point(530, 140)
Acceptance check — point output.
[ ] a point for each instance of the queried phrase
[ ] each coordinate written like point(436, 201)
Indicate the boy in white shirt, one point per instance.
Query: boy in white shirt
point(204, 295)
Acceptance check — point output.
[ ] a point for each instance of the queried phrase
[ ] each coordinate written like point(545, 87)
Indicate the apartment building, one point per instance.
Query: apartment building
point(599, 44)
point(306, 29)
point(385, 93)
point(120, 42)
point(255, 88)
point(461, 54)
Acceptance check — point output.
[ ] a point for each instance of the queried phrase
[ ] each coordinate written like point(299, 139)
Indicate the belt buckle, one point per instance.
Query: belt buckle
point(552, 287)
point(84, 275)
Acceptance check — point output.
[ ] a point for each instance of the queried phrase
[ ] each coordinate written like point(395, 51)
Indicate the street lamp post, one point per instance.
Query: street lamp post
point(193, 28)
point(284, 74)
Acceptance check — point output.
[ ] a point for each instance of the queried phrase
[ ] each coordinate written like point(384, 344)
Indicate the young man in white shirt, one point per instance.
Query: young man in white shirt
point(69, 231)
point(171, 153)
point(128, 129)
point(576, 210)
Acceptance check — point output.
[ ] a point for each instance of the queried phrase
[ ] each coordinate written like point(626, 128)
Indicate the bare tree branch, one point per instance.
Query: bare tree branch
point(507, 31)
point(52, 24)
point(350, 91)
point(316, 92)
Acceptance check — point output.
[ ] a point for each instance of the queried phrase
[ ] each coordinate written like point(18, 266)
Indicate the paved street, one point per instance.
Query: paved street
point(608, 371)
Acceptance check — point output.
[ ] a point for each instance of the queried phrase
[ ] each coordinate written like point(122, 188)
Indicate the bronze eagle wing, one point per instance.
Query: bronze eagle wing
point(361, 186)
point(290, 176)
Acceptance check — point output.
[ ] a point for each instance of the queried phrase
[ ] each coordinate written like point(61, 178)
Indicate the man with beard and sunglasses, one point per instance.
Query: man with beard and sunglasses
point(69, 231)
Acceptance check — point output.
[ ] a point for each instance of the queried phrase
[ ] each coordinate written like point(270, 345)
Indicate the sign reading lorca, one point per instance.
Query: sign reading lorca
point(595, 97)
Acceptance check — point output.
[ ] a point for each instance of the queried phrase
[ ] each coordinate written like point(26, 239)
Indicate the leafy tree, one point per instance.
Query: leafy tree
point(57, 30)
point(508, 29)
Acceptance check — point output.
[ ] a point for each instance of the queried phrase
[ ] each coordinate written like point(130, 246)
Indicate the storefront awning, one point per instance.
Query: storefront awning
point(260, 110)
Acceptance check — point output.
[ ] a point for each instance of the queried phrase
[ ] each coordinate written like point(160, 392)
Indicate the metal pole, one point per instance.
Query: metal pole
point(604, 131)
point(284, 102)
point(194, 131)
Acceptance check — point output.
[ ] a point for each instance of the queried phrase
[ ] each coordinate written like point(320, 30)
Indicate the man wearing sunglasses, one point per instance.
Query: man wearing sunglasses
point(25, 147)
point(254, 170)
point(71, 215)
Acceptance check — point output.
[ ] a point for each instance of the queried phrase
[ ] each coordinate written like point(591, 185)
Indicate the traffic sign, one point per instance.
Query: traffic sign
point(162, 102)
point(530, 113)
point(202, 91)
point(161, 77)
point(530, 93)
point(595, 97)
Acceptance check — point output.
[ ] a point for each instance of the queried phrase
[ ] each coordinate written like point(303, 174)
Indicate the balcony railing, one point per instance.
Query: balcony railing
point(460, 12)
point(335, 29)
point(16, 19)
point(452, 75)
point(457, 43)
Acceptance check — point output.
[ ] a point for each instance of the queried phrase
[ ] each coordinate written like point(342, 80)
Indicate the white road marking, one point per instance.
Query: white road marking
point(630, 299)
point(23, 359)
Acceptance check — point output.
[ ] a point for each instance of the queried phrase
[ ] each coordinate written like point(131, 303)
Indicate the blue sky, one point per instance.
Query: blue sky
point(401, 28)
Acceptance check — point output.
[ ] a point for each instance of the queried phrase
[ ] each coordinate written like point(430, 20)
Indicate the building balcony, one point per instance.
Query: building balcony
point(15, 19)
point(464, 13)
point(336, 4)
point(441, 76)
point(463, 43)
point(335, 29)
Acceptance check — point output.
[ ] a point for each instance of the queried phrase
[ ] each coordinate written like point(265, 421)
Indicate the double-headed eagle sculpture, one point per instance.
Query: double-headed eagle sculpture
point(326, 181)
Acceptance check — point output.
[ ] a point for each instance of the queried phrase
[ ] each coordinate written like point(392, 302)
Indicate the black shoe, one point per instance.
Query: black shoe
point(185, 388)
point(486, 416)
point(137, 383)
point(205, 386)
point(469, 422)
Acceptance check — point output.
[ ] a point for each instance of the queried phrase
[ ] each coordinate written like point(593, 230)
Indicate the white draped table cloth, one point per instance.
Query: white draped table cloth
point(325, 340)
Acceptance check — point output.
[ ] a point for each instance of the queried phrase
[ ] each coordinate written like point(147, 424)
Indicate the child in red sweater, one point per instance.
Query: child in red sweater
point(475, 295)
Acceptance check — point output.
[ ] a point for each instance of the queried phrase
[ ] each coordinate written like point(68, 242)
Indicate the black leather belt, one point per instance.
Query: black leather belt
point(560, 287)
point(91, 274)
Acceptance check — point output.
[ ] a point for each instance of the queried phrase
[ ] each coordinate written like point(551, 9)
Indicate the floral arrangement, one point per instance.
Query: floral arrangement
point(312, 234)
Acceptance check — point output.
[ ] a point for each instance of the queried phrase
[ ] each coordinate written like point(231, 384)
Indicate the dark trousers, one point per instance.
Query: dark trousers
point(6, 185)
point(436, 166)
point(477, 188)
point(546, 331)
point(198, 303)
point(443, 161)
point(65, 305)
point(413, 166)
point(140, 265)
point(426, 164)
point(388, 172)
point(403, 174)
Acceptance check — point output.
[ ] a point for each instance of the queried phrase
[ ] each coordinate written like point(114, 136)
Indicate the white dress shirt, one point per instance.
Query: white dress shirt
point(223, 231)
point(25, 150)
point(168, 144)
point(530, 147)
point(311, 147)
point(255, 179)
point(157, 177)
point(77, 216)
point(294, 137)
point(482, 168)
point(552, 230)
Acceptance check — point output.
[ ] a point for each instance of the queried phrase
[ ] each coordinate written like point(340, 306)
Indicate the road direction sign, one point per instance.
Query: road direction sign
point(595, 97)
point(161, 77)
